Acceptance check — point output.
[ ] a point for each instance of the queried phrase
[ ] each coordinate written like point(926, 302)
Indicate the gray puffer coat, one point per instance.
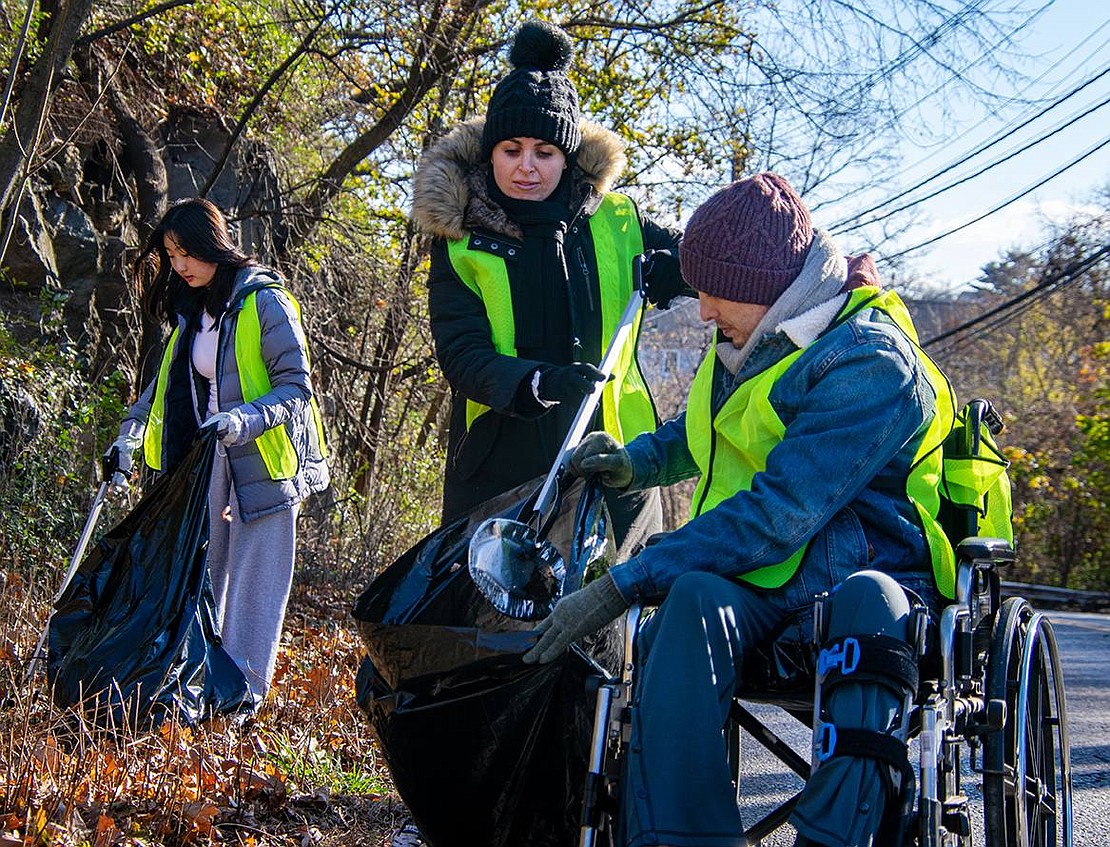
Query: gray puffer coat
point(287, 403)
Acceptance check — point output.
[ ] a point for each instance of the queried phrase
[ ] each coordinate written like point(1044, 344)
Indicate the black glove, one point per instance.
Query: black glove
point(576, 615)
point(569, 383)
point(661, 278)
point(600, 455)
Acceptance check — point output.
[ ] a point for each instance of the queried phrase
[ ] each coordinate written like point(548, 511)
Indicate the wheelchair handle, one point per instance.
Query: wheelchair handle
point(980, 412)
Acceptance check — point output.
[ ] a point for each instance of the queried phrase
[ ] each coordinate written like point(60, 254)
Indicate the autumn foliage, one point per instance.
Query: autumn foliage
point(304, 771)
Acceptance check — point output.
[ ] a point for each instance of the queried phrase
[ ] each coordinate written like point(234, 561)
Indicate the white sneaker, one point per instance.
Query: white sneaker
point(407, 836)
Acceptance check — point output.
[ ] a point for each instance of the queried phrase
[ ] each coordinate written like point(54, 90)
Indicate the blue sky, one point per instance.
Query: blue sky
point(1067, 44)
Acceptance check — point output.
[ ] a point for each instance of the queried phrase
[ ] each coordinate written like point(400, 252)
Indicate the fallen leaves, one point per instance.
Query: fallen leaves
point(303, 772)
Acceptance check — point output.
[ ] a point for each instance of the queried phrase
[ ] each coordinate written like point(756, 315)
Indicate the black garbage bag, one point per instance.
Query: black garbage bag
point(483, 749)
point(134, 639)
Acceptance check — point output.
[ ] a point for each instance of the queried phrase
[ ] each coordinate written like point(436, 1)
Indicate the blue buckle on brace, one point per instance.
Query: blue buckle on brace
point(844, 655)
point(824, 742)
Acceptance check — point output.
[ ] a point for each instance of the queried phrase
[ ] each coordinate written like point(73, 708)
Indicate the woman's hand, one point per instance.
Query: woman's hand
point(231, 429)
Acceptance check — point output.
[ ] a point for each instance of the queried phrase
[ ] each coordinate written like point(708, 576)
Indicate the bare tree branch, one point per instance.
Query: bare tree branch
point(134, 19)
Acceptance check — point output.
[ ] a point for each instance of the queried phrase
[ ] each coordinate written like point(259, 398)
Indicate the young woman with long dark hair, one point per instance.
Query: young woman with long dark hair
point(236, 359)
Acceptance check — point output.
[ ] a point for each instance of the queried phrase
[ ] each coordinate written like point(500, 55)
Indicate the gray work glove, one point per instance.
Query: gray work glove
point(118, 461)
point(231, 429)
point(599, 454)
point(576, 615)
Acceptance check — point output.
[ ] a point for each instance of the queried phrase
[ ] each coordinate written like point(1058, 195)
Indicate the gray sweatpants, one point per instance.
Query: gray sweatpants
point(251, 565)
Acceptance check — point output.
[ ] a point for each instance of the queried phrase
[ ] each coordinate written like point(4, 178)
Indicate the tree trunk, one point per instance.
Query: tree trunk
point(437, 58)
point(144, 160)
point(379, 389)
point(20, 141)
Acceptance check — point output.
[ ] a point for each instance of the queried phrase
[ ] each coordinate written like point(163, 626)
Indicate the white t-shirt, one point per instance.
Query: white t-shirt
point(205, 343)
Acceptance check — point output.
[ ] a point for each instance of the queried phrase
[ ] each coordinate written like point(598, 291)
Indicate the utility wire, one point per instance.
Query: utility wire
point(1000, 206)
point(982, 148)
point(1044, 137)
point(1000, 320)
point(894, 120)
point(1046, 286)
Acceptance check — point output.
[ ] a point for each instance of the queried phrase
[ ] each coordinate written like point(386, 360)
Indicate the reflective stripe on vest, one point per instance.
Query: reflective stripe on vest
point(274, 444)
point(732, 447)
point(626, 405)
point(152, 434)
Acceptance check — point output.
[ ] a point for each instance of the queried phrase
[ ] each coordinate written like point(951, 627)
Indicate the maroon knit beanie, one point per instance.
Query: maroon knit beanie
point(748, 241)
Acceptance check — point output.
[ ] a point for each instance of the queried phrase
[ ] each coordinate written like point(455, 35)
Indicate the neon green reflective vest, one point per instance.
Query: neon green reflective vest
point(733, 447)
point(626, 405)
point(274, 445)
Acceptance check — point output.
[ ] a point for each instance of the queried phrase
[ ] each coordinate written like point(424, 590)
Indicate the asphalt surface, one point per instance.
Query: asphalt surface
point(1084, 642)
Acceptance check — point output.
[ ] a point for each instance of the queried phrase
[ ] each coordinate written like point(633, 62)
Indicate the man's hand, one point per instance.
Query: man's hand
point(600, 455)
point(576, 615)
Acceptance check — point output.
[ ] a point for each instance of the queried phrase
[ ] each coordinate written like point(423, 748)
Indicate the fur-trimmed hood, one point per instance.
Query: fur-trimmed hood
point(449, 189)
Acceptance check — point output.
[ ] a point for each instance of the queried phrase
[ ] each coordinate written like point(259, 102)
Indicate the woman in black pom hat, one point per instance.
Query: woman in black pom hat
point(531, 267)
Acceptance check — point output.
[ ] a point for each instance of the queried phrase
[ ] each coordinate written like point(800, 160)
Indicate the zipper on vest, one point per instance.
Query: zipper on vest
point(580, 255)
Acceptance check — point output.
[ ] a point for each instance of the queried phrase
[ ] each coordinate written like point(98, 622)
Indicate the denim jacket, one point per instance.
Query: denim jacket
point(855, 406)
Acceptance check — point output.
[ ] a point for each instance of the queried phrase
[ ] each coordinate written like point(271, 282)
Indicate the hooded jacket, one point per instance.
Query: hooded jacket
point(287, 403)
point(515, 441)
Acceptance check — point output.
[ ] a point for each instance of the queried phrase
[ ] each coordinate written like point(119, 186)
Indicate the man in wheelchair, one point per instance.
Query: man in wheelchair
point(814, 426)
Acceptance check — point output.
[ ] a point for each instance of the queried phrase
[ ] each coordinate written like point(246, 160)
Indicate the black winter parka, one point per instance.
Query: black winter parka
point(516, 440)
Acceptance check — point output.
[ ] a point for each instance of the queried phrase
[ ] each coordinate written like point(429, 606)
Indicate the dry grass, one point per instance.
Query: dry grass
point(304, 771)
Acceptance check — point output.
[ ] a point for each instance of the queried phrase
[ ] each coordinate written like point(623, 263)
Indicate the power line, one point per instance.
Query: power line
point(1049, 285)
point(1000, 206)
point(1007, 132)
point(1044, 137)
point(918, 46)
point(894, 119)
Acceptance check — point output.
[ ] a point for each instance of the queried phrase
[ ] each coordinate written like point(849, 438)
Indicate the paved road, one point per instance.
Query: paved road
point(1085, 654)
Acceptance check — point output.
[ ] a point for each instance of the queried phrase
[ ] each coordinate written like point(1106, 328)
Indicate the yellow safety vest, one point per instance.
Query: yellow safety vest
point(626, 405)
point(731, 447)
point(274, 445)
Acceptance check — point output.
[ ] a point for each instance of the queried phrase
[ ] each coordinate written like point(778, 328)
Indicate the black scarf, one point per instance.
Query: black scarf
point(541, 304)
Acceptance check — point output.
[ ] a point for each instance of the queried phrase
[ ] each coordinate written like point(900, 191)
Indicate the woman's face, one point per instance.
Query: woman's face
point(196, 273)
point(527, 168)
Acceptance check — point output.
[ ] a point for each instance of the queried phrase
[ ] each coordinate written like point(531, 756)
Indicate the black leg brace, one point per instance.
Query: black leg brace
point(861, 791)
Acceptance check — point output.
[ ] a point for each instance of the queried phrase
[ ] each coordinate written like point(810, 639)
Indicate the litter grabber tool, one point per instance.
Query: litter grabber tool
point(109, 464)
point(510, 560)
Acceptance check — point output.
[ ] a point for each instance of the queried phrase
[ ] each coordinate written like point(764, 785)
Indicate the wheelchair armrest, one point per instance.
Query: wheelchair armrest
point(997, 551)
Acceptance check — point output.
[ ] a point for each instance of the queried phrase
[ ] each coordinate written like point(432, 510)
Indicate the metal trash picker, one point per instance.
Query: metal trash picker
point(510, 561)
point(109, 465)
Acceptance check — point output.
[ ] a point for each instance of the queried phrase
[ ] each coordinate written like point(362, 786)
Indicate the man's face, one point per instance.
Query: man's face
point(736, 320)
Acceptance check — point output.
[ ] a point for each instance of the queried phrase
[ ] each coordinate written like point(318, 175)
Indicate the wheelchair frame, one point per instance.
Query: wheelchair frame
point(998, 695)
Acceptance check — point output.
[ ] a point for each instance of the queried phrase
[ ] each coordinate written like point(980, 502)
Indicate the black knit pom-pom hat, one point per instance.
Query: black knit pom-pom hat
point(536, 99)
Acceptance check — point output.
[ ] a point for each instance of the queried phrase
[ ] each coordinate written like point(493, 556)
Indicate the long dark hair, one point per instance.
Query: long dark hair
point(200, 229)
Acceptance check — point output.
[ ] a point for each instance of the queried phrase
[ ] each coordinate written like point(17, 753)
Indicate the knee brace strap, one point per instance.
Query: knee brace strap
point(868, 659)
point(863, 744)
point(886, 750)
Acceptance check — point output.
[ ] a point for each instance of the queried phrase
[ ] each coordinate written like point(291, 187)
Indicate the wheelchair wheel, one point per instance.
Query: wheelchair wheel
point(1026, 764)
